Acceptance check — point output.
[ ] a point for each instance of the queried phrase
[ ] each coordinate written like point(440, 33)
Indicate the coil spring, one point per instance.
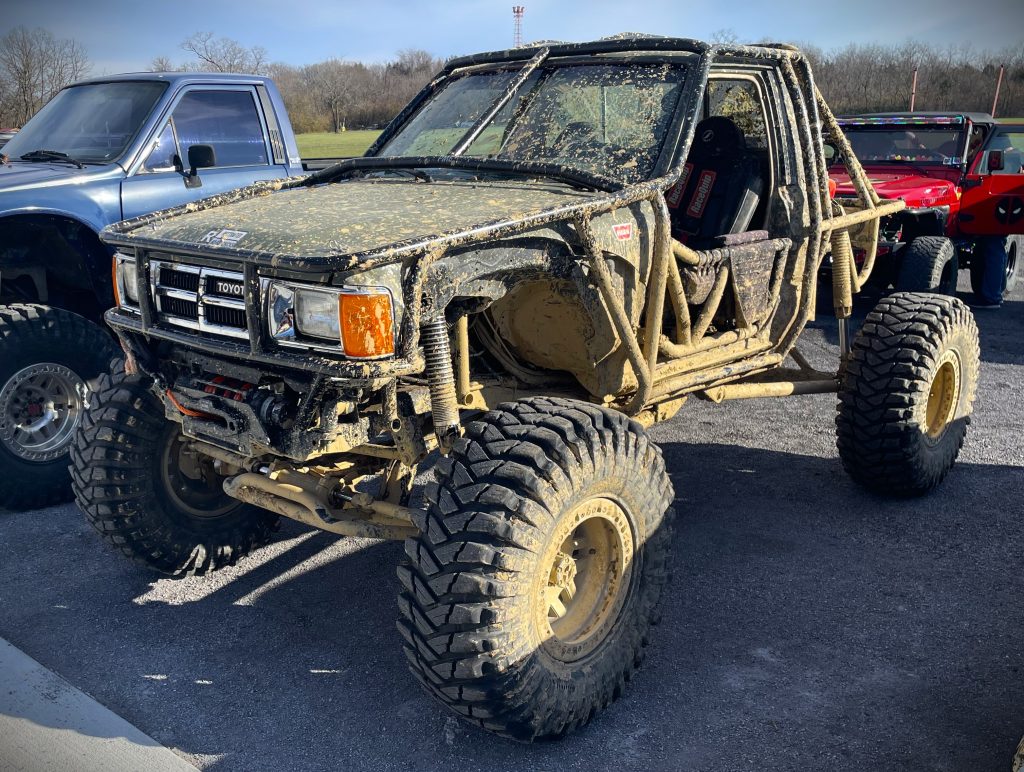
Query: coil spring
point(444, 405)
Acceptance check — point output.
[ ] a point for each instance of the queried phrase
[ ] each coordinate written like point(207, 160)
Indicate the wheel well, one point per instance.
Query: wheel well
point(922, 222)
point(56, 260)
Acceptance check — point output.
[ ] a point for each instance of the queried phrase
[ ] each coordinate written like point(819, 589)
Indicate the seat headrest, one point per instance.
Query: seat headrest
point(717, 136)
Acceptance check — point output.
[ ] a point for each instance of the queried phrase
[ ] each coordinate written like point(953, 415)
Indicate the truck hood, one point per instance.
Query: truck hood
point(23, 174)
point(323, 225)
point(916, 189)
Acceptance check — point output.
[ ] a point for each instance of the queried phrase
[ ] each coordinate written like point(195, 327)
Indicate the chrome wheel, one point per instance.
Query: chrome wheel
point(40, 407)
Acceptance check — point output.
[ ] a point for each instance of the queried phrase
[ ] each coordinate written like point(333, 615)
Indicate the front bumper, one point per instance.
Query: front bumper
point(139, 339)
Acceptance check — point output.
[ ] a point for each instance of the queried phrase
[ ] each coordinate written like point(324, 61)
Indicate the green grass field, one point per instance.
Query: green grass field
point(325, 144)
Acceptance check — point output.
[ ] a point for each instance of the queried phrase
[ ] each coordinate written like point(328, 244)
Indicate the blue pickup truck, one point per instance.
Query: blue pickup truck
point(101, 151)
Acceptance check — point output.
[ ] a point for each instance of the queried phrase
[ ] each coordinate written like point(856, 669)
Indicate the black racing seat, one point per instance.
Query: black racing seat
point(721, 186)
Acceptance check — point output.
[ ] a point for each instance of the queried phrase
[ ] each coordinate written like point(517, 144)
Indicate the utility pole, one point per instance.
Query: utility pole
point(999, 83)
point(913, 90)
point(517, 18)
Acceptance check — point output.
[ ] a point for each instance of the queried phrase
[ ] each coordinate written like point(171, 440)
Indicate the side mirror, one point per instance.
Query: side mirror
point(199, 156)
point(995, 161)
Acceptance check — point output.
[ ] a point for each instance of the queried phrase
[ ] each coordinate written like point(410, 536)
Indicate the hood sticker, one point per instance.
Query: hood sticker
point(623, 231)
point(223, 237)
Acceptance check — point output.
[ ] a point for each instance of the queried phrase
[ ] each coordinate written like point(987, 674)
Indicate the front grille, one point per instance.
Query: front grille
point(206, 299)
point(185, 309)
point(170, 277)
point(227, 317)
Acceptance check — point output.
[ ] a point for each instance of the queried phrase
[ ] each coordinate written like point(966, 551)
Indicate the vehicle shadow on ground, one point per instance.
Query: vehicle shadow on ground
point(802, 608)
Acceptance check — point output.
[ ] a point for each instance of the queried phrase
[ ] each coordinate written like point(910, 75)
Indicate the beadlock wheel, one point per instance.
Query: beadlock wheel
point(530, 590)
point(590, 560)
point(41, 407)
point(50, 363)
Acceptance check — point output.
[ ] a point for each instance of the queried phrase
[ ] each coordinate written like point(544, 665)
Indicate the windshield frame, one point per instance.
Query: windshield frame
point(688, 61)
point(130, 147)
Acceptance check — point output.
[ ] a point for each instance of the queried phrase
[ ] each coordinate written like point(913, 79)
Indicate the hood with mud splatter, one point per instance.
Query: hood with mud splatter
point(348, 219)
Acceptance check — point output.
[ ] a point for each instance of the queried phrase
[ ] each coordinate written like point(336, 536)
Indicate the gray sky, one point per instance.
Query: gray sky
point(125, 35)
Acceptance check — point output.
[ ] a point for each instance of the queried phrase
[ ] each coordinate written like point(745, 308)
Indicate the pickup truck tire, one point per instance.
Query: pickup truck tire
point(529, 593)
point(1013, 250)
point(907, 394)
point(130, 481)
point(50, 363)
point(929, 264)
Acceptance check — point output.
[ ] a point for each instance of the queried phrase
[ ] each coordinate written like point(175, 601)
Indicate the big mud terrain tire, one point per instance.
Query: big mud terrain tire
point(1013, 250)
point(148, 496)
point(929, 264)
point(50, 363)
point(530, 591)
point(907, 394)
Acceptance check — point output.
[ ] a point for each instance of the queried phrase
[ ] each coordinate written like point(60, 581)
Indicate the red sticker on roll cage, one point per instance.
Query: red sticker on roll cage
point(623, 231)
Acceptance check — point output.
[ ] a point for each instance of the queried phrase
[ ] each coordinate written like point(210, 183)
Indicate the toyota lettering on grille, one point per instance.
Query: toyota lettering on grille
point(227, 288)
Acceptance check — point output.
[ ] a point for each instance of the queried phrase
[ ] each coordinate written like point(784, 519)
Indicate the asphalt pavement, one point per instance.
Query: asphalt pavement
point(809, 626)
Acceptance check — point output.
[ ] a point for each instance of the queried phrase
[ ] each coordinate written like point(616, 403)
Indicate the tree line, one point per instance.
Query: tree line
point(338, 94)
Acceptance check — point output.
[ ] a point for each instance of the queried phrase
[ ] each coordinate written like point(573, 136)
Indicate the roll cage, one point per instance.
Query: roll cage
point(816, 225)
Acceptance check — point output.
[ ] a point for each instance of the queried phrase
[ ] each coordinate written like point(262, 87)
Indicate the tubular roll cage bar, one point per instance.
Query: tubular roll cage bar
point(657, 382)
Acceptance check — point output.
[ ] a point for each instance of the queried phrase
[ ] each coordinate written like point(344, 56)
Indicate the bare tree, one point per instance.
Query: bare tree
point(224, 54)
point(33, 67)
point(161, 64)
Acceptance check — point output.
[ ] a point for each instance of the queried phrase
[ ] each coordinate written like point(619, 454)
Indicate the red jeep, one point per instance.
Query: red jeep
point(962, 178)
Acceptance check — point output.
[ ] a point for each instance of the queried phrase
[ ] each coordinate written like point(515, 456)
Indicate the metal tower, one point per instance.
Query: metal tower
point(517, 16)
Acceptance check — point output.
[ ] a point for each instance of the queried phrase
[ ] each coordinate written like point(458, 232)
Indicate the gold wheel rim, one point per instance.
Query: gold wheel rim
point(943, 395)
point(583, 579)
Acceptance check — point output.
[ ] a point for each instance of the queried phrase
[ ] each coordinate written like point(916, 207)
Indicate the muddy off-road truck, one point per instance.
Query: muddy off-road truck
point(546, 252)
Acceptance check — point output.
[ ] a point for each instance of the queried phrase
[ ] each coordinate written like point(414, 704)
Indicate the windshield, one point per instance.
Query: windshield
point(608, 119)
point(93, 123)
point(915, 143)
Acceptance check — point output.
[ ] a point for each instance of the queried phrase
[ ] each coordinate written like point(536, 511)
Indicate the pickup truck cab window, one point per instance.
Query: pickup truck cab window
point(227, 120)
point(70, 123)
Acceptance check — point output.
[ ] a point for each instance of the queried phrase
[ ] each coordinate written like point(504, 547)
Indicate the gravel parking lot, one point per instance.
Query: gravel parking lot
point(809, 626)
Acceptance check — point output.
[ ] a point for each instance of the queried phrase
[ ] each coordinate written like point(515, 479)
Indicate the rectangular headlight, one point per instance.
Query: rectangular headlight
point(316, 314)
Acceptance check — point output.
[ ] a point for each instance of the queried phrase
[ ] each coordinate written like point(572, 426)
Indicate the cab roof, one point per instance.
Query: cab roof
point(178, 77)
point(625, 43)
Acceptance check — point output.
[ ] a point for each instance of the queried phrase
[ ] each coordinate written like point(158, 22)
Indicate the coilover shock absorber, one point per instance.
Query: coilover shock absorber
point(444, 405)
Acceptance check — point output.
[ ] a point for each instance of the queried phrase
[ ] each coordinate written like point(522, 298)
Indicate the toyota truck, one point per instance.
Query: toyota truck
point(547, 252)
point(100, 151)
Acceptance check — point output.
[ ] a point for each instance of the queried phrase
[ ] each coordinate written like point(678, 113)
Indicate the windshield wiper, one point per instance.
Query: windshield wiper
point(51, 155)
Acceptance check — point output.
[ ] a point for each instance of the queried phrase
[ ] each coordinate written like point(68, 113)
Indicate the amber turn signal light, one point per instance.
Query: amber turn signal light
point(367, 324)
point(113, 276)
